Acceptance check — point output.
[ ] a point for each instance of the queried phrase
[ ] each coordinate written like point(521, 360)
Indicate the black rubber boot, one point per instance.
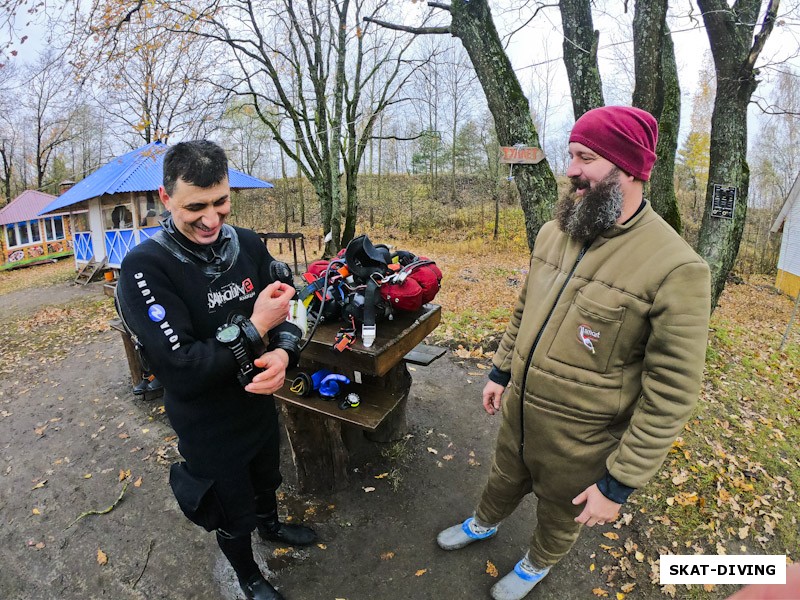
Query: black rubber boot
point(140, 388)
point(258, 588)
point(154, 385)
point(271, 529)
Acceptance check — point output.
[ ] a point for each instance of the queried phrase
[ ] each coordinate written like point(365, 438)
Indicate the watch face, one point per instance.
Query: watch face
point(227, 334)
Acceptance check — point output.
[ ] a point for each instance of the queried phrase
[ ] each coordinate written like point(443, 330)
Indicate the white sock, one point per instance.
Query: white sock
point(478, 527)
point(530, 568)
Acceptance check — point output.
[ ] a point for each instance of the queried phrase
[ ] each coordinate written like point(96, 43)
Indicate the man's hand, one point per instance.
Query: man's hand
point(271, 378)
point(599, 510)
point(272, 306)
point(492, 397)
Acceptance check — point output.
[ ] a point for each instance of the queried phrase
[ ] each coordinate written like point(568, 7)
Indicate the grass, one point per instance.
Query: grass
point(36, 276)
point(10, 266)
point(398, 454)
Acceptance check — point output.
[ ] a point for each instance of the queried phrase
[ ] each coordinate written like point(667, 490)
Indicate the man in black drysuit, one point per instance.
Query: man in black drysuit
point(203, 300)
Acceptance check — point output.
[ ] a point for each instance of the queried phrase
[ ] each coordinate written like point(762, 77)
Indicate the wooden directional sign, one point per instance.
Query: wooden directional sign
point(521, 155)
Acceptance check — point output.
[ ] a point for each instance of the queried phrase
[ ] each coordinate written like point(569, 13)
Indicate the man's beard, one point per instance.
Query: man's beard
point(584, 218)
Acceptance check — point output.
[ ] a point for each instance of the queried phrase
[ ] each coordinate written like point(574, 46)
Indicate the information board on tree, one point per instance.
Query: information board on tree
point(521, 155)
point(723, 201)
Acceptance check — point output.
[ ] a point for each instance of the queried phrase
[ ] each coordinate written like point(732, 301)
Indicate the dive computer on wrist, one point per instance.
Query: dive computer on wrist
point(231, 335)
point(253, 339)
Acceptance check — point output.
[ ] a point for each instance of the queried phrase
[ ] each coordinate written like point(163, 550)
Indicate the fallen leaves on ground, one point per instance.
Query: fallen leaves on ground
point(102, 557)
point(491, 569)
point(52, 332)
point(37, 276)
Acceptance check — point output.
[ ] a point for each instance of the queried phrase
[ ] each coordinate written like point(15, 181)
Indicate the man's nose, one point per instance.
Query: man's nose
point(572, 168)
point(211, 218)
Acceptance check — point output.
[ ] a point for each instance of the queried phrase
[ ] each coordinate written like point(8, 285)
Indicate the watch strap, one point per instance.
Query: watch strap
point(254, 341)
point(243, 356)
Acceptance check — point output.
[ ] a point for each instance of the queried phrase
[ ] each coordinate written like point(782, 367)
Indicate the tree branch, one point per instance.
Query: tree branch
point(414, 30)
point(773, 109)
point(766, 29)
point(128, 16)
point(399, 139)
point(527, 21)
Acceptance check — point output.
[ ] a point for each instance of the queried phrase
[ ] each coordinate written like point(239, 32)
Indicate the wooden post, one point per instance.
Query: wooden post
point(318, 450)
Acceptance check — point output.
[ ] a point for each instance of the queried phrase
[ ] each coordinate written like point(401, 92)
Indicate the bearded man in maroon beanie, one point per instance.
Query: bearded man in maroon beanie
point(601, 363)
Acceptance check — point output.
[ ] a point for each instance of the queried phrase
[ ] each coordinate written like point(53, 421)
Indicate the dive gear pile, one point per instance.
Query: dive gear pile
point(365, 284)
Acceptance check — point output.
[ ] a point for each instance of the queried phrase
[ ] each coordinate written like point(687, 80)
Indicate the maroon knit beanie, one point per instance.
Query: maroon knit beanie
point(624, 135)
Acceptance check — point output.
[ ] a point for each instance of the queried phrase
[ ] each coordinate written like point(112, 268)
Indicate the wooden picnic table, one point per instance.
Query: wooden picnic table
point(322, 436)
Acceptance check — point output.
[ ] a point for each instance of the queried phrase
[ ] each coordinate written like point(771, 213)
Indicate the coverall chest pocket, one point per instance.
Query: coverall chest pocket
point(587, 335)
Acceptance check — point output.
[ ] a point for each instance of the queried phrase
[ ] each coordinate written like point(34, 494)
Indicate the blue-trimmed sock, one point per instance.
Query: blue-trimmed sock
point(520, 581)
point(463, 534)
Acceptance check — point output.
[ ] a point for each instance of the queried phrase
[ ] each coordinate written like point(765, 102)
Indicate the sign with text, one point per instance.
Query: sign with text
point(726, 569)
point(723, 201)
point(521, 155)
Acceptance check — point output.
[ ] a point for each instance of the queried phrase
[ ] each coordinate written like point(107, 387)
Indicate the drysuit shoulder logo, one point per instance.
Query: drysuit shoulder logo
point(156, 313)
point(588, 337)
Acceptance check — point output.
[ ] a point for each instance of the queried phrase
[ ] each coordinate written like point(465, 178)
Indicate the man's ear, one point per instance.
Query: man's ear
point(163, 196)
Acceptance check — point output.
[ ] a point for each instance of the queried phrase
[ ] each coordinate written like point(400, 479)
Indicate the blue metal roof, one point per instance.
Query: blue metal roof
point(139, 170)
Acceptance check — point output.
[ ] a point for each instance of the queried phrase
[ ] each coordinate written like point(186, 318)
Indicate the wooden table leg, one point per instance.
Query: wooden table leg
point(133, 359)
point(318, 451)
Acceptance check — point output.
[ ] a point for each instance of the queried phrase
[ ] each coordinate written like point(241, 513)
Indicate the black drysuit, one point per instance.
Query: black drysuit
point(174, 294)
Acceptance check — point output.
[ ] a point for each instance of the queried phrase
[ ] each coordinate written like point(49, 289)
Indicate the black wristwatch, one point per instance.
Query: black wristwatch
point(231, 335)
point(253, 339)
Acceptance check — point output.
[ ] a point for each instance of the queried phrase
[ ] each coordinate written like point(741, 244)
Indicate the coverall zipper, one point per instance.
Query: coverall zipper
point(533, 349)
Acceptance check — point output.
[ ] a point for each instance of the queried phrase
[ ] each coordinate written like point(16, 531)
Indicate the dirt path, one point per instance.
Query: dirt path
point(68, 428)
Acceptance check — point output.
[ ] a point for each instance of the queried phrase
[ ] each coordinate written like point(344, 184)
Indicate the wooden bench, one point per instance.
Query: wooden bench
point(322, 435)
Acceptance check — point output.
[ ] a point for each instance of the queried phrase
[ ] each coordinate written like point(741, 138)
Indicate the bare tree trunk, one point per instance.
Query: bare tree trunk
point(8, 168)
point(730, 31)
point(658, 92)
point(453, 194)
point(580, 55)
point(377, 199)
point(473, 25)
point(301, 193)
point(284, 194)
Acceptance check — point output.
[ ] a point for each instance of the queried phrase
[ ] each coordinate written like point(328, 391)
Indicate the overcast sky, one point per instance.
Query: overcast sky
point(536, 51)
